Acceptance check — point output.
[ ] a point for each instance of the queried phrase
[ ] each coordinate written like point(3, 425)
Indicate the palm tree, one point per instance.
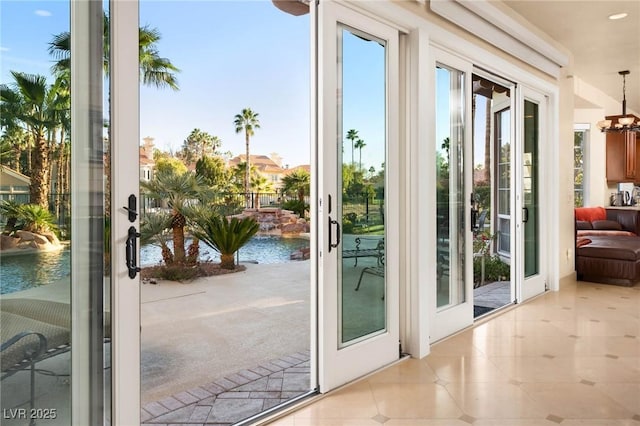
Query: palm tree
point(299, 181)
point(260, 184)
point(247, 122)
point(38, 113)
point(14, 137)
point(352, 135)
point(178, 190)
point(225, 236)
point(359, 145)
point(154, 70)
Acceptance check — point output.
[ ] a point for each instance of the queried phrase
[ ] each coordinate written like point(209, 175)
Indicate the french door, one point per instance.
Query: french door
point(454, 267)
point(530, 228)
point(124, 101)
point(358, 103)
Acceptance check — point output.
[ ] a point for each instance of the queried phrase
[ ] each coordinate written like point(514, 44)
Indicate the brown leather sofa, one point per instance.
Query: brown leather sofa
point(608, 245)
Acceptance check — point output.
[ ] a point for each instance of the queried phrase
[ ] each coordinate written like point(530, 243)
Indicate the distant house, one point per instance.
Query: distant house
point(305, 167)
point(14, 185)
point(147, 164)
point(268, 166)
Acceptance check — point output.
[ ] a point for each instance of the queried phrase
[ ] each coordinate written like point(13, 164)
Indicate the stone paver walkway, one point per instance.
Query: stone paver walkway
point(233, 398)
point(494, 295)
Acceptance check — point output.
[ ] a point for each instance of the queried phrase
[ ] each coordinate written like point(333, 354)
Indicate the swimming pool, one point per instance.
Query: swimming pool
point(21, 272)
point(258, 249)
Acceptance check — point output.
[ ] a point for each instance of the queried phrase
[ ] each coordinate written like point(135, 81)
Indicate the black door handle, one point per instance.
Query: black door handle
point(525, 215)
point(132, 252)
point(331, 243)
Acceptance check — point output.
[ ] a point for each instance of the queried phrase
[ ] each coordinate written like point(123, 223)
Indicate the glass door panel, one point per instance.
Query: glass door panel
point(453, 307)
point(358, 207)
point(450, 189)
point(53, 276)
point(530, 234)
point(362, 112)
point(530, 190)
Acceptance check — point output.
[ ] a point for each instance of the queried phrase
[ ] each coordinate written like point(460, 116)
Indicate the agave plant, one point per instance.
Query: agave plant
point(225, 236)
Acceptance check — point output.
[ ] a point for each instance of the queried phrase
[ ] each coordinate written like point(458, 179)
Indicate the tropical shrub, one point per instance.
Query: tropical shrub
point(296, 206)
point(28, 217)
point(494, 270)
point(225, 236)
point(154, 229)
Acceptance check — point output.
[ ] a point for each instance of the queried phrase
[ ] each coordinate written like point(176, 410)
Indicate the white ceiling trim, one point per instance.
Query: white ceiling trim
point(493, 25)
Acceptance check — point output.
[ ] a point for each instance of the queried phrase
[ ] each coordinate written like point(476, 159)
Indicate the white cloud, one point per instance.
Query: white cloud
point(41, 12)
point(4, 49)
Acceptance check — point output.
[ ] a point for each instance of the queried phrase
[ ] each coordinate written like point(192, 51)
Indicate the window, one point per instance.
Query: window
point(580, 138)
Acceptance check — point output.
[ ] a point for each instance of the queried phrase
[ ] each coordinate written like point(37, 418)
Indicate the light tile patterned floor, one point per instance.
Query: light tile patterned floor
point(566, 358)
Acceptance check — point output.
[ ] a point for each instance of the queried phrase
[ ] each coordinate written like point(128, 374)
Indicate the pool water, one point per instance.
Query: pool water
point(258, 249)
point(24, 271)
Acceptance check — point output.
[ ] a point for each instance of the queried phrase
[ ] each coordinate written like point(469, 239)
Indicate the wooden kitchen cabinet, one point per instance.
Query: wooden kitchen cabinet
point(623, 156)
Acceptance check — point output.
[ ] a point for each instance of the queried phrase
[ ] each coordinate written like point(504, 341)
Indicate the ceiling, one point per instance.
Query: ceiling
point(600, 47)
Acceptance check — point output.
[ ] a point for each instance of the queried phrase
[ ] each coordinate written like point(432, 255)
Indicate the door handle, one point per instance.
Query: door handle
point(525, 215)
point(132, 252)
point(331, 243)
point(474, 213)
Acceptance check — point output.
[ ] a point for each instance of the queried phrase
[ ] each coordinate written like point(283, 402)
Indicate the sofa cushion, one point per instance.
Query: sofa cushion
point(583, 224)
point(606, 224)
point(590, 214)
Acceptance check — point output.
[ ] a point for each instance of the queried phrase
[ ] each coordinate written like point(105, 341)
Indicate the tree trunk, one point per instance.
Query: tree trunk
point(227, 261)
point(247, 172)
point(167, 256)
point(178, 245)
point(16, 158)
point(39, 188)
point(193, 253)
point(487, 144)
point(107, 184)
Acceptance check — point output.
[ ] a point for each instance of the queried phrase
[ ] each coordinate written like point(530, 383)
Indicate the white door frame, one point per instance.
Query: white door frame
point(124, 139)
point(451, 319)
point(532, 286)
point(337, 365)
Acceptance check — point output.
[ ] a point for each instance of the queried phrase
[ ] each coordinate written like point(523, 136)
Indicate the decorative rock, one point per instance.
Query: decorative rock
point(302, 254)
point(8, 242)
point(51, 237)
point(29, 241)
point(275, 221)
point(25, 235)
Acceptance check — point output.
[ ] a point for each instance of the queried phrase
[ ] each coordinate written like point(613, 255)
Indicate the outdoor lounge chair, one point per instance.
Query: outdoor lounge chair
point(32, 331)
point(377, 251)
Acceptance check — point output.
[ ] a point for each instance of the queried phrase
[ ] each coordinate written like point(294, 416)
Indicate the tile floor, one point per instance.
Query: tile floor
point(570, 357)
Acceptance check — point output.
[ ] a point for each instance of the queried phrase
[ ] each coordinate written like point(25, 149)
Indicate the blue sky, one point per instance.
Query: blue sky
point(231, 55)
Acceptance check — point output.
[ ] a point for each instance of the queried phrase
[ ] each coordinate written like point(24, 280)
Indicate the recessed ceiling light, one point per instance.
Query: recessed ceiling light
point(618, 16)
